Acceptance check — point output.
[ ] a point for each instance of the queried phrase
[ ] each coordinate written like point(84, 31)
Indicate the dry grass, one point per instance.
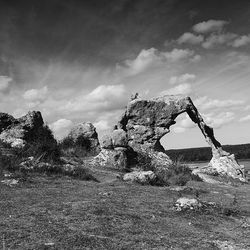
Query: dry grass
point(64, 213)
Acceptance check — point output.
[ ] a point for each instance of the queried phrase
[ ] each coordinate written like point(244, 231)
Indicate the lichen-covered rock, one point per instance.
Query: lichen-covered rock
point(24, 130)
point(112, 158)
point(227, 166)
point(86, 134)
point(142, 177)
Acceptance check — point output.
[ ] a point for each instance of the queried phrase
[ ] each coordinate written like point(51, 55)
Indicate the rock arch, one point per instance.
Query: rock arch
point(147, 121)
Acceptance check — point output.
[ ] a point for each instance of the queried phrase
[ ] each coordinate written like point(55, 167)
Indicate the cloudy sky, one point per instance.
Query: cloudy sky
point(80, 60)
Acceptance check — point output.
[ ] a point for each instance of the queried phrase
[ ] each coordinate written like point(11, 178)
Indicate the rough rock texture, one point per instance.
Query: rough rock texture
point(187, 203)
point(142, 177)
point(145, 122)
point(113, 158)
point(19, 132)
point(86, 132)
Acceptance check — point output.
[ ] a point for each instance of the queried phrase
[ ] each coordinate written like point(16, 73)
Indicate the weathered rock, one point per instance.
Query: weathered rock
point(116, 138)
point(147, 121)
point(187, 203)
point(112, 158)
point(86, 134)
point(142, 177)
point(5, 121)
point(106, 142)
point(25, 130)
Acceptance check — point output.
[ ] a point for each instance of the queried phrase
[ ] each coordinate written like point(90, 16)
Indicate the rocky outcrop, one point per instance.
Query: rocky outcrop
point(18, 132)
point(145, 122)
point(85, 135)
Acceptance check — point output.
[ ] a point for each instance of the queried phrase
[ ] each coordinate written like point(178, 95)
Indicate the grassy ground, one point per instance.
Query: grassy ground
point(65, 213)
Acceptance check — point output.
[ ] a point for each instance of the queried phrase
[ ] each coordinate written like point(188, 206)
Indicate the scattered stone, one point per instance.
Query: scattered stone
point(187, 203)
point(142, 177)
point(10, 182)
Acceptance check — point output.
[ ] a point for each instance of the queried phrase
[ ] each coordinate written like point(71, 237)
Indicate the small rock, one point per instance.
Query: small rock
point(143, 177)
point(10, 182)
point(187, 203)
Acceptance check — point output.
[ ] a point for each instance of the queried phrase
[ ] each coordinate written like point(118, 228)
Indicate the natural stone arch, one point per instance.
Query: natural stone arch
point(147, 121)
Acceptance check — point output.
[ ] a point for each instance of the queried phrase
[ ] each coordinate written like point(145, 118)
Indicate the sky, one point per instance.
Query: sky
point(81, 60)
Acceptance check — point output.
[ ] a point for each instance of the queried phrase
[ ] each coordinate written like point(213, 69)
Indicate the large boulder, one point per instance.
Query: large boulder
point(85, 135)
point(24, 130)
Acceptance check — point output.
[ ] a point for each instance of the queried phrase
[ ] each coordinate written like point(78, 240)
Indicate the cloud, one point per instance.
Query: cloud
point(183, 89)
point(102, 98)
point(4, 83)
point(206, 103)
point(245, 118)
point(190, 38)
point(179, 54)
point(182, 79)
point(102, 125)
point(219, 39)
point(61, 127)
point(178, 130)
point(247, 107)
point(219, 120)
point(210, 26)
point(36, 96)
point(153, 57)
point(241, 41)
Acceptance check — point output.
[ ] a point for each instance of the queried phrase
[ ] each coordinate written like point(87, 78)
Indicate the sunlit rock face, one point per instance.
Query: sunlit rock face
point(18, 132)
point(145, 122)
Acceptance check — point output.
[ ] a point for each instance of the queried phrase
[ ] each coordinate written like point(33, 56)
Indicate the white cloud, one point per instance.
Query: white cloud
point(241, 41)
point(4, 82)
point(182, 79)
point(183, 89)
point(178, 130)
point(209, 26)
point(61, 127)
point(36, 96)
point(190, 38)
point(102, 125)
point(219, 39)
point(245, 118)
point(187, 123)
point(152, 58)
point(217, 121)
point(206, 103)
point(178, 54)
point(102, 98)
point(247, 107)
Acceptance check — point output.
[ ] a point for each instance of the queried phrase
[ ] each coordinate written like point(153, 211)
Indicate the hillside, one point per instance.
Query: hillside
point(241, 151)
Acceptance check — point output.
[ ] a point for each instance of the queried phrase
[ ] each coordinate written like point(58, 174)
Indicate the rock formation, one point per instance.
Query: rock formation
point(145, 122)
point(18, 132)
point(85, 134)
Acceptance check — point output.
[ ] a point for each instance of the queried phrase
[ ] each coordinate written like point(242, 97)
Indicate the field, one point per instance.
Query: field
point(57, 212)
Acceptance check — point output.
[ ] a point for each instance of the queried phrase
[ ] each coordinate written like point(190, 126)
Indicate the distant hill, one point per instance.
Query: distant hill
point(241, 151)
